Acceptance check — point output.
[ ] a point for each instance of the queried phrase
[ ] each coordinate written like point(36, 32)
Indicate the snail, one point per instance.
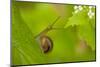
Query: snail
point(45, 41)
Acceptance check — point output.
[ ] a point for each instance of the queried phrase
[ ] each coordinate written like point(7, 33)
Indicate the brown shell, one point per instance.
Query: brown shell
point(46, 43)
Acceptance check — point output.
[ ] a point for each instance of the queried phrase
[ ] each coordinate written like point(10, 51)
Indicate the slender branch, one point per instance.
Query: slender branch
point(48, 28)
point(55, 21)
point(58, 29)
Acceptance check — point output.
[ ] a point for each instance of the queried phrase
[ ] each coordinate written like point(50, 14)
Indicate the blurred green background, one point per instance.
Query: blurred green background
point(73, 37)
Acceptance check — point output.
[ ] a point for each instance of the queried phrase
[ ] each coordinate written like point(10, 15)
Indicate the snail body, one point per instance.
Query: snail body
point(46, 43)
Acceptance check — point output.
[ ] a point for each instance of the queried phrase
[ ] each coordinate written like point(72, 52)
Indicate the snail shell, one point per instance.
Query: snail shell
point(46, 43)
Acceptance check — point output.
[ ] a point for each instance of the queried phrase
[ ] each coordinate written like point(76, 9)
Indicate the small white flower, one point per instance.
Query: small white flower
point(90, 11)
point(84, 6)
point(76, 7)
point(90, 14)
point(80, 8)
point(90, 7)
point(76, 11)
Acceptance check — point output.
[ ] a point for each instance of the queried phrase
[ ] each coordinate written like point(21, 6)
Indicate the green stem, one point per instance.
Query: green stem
point(47, 29)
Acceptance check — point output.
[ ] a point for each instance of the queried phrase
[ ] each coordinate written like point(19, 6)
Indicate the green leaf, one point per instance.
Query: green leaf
point(81, 18)
point(25, 49)
point(63, 45)
point(87, 32)
point(86, 27)
point(40, 15)
point(29, 19)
